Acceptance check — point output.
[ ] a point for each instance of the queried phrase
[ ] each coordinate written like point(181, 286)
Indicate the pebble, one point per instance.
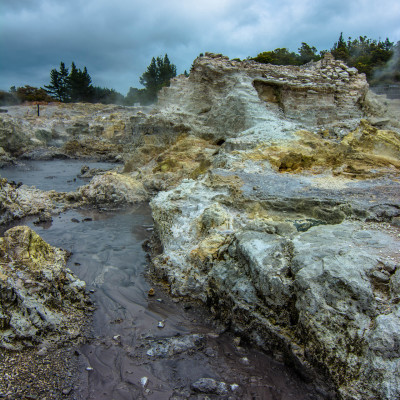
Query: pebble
point(211, 386)
point(42, 351)
point(234, 387)
point(245, 360)
point(89, 369)
point(144, 381)
point(161, 324)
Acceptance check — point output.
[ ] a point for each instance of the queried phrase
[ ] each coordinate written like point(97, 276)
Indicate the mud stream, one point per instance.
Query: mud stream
point(152, 347)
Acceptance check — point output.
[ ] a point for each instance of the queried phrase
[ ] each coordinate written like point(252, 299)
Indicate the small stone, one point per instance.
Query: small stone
point(67, 391)
point(42, 352)
point(211, 386)
point(151, 292)
point(89, 369)
point(234, 387)
point(161, 324)
point(209, 352)
point(144, 381)
point(117, 337)
point(245, 361)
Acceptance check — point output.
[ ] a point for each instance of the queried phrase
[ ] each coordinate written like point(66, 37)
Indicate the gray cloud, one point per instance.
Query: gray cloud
point(116, 39)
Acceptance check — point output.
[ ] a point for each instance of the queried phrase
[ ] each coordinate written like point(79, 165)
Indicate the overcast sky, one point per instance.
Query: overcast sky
point(116, 39)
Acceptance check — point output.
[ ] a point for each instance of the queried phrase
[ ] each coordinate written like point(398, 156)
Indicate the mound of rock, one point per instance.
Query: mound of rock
point(291, 234)
point(19, 201)
point(40, 299)
point(113, 188)
point(305, 278)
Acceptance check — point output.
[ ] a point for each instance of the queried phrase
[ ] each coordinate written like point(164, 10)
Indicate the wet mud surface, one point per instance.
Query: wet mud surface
point(151, 347)
point(143, 346)
point(58, 175)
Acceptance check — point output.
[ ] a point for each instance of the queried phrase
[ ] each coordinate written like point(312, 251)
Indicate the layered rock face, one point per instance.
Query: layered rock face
point(292, 235)
point(40, 299)
point(229, 97)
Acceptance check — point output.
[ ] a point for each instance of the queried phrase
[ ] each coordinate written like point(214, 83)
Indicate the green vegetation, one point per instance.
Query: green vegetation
point(73, 87)
point(58, 87)
point(283, 56)
point(370, 57)
point(379, 60)
point(158, 74)
point(26, 93)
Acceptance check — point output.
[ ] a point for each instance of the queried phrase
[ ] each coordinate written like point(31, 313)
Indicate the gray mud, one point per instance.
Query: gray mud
point(58, 175)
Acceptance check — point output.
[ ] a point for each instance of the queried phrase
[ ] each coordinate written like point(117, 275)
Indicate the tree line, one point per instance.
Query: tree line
point(379, 60)
point(71, 85)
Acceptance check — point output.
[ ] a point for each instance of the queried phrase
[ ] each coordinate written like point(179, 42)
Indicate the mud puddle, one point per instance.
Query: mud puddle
point(58, 175)
point(150, 347)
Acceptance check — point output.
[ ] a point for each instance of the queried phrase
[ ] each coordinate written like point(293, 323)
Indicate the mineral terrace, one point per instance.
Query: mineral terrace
point(275, 195)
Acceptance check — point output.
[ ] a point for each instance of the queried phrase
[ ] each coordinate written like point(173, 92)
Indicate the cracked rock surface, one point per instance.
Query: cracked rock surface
point(41, 299)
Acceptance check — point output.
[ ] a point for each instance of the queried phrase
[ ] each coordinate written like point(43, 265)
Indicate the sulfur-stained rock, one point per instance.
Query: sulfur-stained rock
point(40, 299)
point(320, 292)
point(276, 202)
point(113, 188)
point(17, 202)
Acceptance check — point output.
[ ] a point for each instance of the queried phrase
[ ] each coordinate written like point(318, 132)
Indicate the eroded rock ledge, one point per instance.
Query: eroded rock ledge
point(40, 299)
point(304, 278)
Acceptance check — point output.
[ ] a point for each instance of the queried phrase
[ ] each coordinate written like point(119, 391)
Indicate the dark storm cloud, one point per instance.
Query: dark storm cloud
point(116, 39)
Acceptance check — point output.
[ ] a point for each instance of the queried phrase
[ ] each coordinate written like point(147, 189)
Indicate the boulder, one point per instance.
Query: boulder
point(40, 298)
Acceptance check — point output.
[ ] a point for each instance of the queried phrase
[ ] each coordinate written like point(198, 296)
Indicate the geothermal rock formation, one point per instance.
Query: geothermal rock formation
point(40, 299)
point(275, 195)
point(292, 236)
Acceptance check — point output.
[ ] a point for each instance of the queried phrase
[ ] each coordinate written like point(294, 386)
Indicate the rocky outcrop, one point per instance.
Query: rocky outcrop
point(74, 130)
point(113, 188)
point(40, 299)
point(18, 201)
point(291, 234)
point(228, 97)
point(304, 276)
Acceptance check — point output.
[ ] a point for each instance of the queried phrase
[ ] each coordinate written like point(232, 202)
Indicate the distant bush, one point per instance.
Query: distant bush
point(26, 93)
point(8, 99)
point(30, 93)
point(379, 60)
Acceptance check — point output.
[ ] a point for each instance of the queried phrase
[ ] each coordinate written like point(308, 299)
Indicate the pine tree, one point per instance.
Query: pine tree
point(307, 53)
point(157, 75)
point(340, 49)
point(58, 87)
point(149, 79)
point(79, 85)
